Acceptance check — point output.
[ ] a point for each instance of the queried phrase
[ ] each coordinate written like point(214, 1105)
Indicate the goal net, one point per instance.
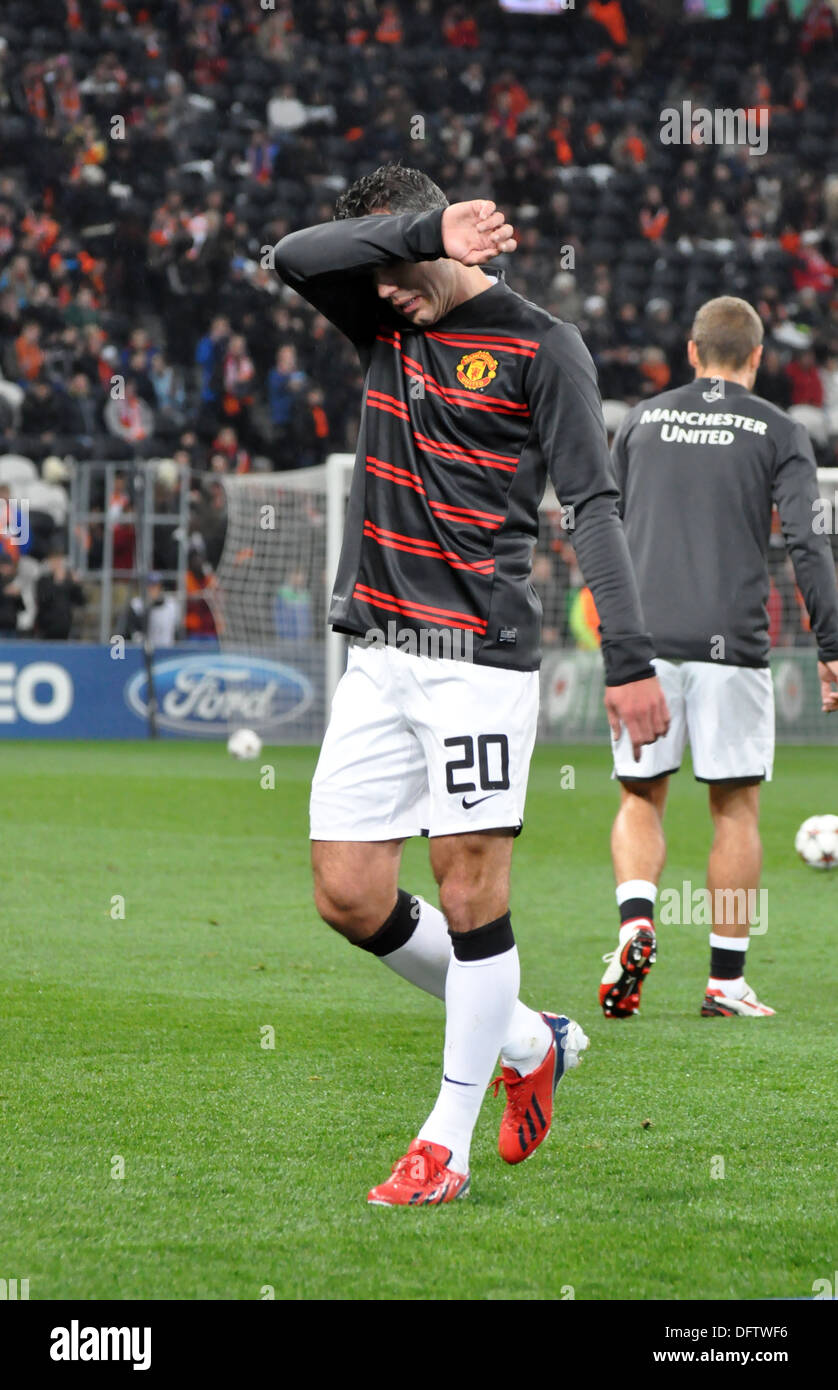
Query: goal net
point(274, 582)
point(270, 603)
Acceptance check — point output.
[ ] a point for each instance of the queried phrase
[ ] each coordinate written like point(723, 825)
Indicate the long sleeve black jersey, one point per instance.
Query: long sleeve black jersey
point(699, 474)
point(462, 423)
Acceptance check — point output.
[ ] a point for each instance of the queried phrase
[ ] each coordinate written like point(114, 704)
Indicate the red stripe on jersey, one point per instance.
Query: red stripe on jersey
point(415, 617)
point(493, 337)
point(467, 514)
point(454, 454)
point(522, 347)
point(457, 396)
point(385, 396)
point(388, 478)
point(467, 453)
point(471, 620)
point(400, 414)
point(390, 472)
point(417, 545)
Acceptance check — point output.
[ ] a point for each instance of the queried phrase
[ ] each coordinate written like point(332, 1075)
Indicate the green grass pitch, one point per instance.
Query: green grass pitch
point(139, 1038)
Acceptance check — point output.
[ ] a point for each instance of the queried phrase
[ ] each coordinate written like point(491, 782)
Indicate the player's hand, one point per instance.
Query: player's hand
point(475, 232)
point(828, 673)
point(640, 708)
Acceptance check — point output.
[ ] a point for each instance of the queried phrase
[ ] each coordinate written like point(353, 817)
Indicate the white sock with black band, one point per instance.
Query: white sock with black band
point(415, 944)
point(727, 965)
point(480, 992)
point(636, 901)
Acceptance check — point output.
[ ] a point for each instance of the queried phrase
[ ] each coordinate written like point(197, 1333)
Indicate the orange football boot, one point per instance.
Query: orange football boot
point(421, 1179)
point(529, 1098)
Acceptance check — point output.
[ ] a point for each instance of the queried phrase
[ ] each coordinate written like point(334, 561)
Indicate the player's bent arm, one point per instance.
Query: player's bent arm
point(795, 488)
point(359, 244)
point(330, 265)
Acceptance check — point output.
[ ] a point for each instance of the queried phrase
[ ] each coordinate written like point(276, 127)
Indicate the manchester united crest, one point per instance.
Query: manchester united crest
point(476, 369)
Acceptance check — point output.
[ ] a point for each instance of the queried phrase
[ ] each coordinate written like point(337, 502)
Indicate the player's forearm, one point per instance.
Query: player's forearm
point(564, 400)
point(358, 244)
point(602, 552)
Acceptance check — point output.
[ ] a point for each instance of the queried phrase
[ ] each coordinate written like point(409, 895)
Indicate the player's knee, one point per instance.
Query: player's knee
point(653, 792)
point(338, 908)
point(735, 800)
point(468, 902)
point(351, 909)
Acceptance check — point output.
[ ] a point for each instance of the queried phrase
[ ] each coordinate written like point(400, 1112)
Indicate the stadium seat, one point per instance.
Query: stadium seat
point(814, 421)
point(613, 413)
point(15, 469)
point(13, 395)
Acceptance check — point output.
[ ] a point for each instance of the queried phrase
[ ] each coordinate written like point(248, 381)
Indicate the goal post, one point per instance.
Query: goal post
point(338, 480)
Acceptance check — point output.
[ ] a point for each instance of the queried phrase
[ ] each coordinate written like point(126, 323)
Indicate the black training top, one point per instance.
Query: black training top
point(462, 423)
point(699, 469)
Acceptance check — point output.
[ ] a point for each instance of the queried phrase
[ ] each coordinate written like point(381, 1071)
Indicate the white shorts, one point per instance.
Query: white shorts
point(417, 745)
point(726, 712)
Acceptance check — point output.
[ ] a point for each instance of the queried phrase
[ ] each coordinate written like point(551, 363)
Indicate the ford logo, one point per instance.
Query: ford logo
point(203, 695)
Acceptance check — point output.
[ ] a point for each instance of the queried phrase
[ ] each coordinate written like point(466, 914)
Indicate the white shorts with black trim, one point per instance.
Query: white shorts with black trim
point(417, 745)
point(726, 712)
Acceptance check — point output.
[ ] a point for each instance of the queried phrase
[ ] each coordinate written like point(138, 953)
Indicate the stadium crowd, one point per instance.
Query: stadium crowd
point(154, 151)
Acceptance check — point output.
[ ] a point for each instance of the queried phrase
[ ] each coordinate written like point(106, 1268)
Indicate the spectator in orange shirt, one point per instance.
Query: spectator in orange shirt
point(389, 28)
point(28, 356)
point(508, 100)
point(655, 371)
point(609, 13)
point(43, 228)
point(460, 29)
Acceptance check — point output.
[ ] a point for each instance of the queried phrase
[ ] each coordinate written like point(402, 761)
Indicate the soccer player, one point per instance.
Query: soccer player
point(471, 396)
point(699, 468)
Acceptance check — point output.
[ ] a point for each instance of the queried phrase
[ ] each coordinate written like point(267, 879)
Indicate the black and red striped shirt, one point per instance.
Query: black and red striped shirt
point(463, 421)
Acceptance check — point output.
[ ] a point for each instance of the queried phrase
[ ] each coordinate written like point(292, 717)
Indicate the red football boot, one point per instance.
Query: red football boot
point(421, 1179)
point(529, 1098)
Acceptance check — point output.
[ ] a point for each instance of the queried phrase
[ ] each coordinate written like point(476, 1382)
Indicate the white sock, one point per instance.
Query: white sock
point(729, 943)
point(423, 961)
point(734, 989)
point(479, 999)
point(643, 889)
point(528, 1040)
point(636, 888)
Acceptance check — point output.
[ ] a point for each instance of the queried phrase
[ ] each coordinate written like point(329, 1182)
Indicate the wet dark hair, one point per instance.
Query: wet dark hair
point(391, 186)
